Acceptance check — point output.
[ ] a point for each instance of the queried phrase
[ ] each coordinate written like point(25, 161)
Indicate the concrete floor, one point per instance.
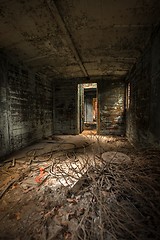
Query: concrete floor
point(80, 187)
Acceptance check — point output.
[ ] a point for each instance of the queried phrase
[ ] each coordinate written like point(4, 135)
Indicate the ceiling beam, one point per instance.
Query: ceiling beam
point(56, 15)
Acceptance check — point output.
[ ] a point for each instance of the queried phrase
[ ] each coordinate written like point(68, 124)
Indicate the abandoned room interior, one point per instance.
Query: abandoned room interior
point(79, 119)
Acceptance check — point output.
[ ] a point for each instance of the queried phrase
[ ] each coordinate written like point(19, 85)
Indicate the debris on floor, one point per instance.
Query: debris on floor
point(81, 187)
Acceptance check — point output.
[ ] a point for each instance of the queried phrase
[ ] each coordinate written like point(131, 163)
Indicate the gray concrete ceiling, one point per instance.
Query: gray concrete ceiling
point(77, 38)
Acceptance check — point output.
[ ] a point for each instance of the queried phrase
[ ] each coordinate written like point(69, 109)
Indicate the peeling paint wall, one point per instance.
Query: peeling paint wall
point(111, 107)
point(66, 102)
point(143, 117)
point(26, 103)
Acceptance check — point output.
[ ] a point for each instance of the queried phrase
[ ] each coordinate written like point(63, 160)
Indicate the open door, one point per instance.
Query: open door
point(87, 107)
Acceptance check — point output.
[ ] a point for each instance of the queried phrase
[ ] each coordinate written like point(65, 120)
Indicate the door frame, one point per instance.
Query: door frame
point(80, 108)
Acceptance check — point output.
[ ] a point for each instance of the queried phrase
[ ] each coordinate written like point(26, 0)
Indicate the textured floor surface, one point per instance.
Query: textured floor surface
point(80, 187)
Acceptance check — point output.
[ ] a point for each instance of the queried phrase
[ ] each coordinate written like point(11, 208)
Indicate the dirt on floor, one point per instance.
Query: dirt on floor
point(86, 187)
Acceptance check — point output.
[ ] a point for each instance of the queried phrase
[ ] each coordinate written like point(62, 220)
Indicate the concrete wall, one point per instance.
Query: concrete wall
point(143, 117)
point(111, 107)
point(26, 104)
point(66, 119)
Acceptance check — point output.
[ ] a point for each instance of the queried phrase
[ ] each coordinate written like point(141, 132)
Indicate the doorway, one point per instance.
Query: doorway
point(87, 108)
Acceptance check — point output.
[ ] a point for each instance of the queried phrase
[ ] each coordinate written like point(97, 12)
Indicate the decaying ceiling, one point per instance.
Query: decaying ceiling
point(77, 38)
